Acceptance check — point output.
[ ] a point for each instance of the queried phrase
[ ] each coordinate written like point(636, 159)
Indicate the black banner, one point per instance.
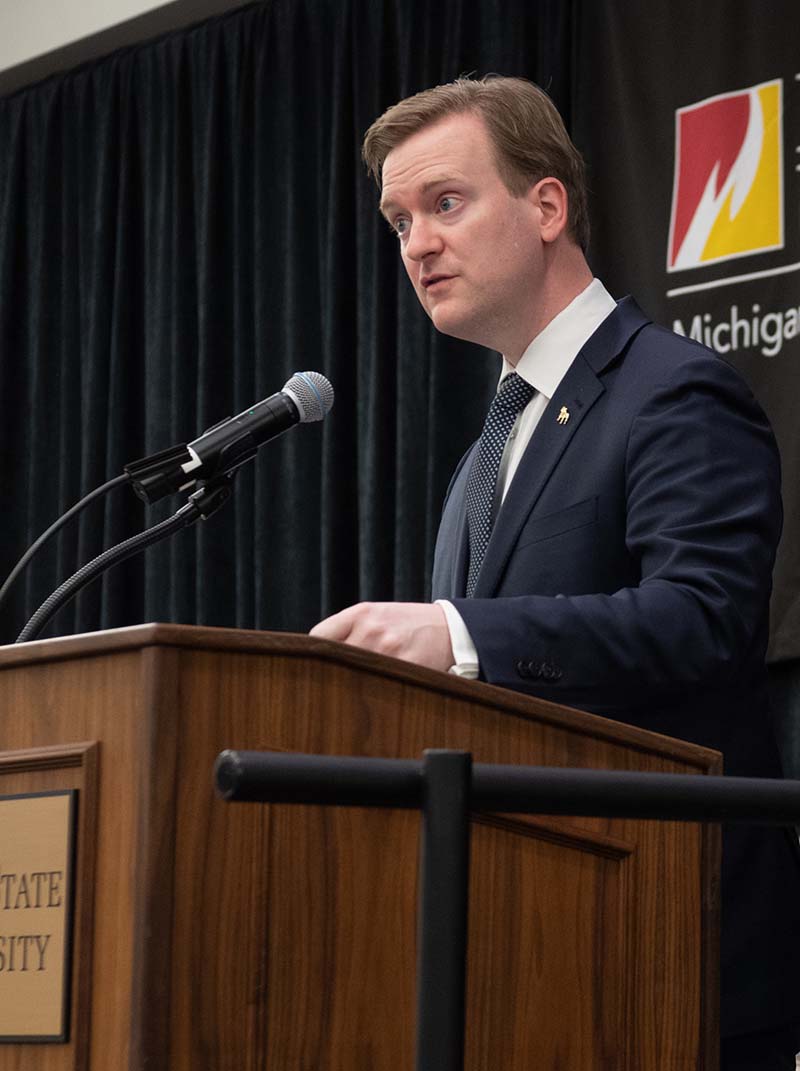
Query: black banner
point(689, 116)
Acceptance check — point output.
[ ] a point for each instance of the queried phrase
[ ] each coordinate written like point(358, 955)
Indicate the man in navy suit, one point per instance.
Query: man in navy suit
point(635, 512)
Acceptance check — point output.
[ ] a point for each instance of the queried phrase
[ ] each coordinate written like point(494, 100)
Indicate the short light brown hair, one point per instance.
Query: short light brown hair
point(528, 135)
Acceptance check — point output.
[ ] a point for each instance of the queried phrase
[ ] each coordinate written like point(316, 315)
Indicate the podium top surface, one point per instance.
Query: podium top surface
point(298, 645)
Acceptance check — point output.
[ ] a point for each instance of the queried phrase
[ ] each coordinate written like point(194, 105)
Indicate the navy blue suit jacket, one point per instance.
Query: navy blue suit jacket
point(629, 574)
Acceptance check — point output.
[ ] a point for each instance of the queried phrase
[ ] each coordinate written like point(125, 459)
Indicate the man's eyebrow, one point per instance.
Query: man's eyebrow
point(426, 187)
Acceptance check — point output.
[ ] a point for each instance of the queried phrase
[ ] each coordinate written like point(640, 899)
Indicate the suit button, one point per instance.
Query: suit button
point(523, 668)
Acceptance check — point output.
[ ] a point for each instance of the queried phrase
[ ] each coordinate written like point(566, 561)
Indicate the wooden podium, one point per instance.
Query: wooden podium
point(213, 936)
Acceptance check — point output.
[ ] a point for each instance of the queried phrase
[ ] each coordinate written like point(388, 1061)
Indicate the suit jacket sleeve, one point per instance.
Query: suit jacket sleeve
point(700, 476)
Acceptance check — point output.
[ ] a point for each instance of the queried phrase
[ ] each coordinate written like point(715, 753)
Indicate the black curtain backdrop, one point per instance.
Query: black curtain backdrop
point(182, 226)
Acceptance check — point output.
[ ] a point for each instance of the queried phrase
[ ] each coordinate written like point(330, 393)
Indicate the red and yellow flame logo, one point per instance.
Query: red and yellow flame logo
point(727, 195)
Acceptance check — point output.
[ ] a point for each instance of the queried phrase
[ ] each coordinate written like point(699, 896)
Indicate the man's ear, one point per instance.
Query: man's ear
point(549, 197)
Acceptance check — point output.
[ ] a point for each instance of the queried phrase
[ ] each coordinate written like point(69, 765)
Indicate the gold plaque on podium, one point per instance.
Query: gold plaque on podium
point(36, 853)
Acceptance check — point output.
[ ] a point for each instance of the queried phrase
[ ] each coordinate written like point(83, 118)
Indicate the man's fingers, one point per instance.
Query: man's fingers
point(416, 632)
point(337, 626)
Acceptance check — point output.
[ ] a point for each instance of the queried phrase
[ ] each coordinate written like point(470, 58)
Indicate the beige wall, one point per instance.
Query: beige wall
point(38, 37)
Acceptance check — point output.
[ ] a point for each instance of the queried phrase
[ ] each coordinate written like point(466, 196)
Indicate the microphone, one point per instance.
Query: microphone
point(306, 397)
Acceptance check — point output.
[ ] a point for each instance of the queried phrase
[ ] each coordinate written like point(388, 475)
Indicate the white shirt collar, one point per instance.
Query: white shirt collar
point(546, 360)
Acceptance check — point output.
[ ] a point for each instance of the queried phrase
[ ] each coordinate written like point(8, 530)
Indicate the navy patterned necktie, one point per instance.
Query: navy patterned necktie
point(512, 397)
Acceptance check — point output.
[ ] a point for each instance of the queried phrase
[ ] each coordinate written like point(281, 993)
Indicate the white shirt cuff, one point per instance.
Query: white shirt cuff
point(466, 657)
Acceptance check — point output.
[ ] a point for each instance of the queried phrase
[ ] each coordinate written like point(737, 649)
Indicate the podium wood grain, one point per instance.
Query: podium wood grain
point(242, 936)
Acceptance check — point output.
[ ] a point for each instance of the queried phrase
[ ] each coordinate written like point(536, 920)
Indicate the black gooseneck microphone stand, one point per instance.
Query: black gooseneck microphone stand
point(202, 503)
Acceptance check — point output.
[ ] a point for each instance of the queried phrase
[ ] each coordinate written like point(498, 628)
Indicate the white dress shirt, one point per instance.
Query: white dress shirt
point(543, 364)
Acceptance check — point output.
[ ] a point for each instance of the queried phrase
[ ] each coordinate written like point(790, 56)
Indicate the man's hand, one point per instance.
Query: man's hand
point(414, 631)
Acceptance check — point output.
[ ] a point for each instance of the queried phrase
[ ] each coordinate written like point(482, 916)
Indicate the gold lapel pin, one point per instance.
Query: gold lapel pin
point(563, 416)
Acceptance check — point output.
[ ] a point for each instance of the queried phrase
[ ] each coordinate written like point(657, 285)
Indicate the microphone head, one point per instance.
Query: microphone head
point(312, 393)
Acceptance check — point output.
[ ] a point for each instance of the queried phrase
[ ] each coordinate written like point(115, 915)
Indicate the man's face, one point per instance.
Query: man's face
point(471, 249)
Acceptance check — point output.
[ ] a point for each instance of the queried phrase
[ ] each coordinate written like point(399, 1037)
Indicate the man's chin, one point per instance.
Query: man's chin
point(450, 323)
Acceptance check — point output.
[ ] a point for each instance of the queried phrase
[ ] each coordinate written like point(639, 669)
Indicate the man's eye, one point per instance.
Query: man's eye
point(399, 225)
point(447, 203)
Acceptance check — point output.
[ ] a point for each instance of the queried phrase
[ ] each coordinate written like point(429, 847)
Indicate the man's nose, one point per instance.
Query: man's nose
point(425, 238)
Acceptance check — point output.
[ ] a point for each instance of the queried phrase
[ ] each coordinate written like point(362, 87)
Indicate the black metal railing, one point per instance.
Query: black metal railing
point(446, 786)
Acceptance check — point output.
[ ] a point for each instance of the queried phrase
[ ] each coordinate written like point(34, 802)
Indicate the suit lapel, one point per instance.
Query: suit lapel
point(450, 557)
point(461, 556)
point(577, 393)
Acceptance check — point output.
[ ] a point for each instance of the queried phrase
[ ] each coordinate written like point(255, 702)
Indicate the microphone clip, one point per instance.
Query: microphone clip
point(161, 474)
point(158, 475)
